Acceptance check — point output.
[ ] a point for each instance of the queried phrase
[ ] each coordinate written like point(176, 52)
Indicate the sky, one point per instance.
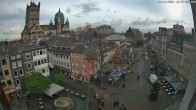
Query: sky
point(146, 15)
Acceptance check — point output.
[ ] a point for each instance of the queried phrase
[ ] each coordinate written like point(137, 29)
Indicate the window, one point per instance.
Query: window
point(17, 81)
point(18, 56)
point(14, 65)
point(4, 62)
point(41, 52)
point(6, 72)
point(21, 71)
point(35, 63)
point(42, 61)
point(67, 57)
point(67, 64)
point(15, 73)
point(27, 55)
point(84, 72)
point(37, 53)
point(46, 69)
point(84, 65)
point(45, 60)
point(34, 53)
point(61, 56)
point(43, 71)
point(39, 62)
point(62, 63)
point(19, 63)
point(3, 84)
point(12, 57)
point(29, 66)
point(9, 82)
point(44, 51)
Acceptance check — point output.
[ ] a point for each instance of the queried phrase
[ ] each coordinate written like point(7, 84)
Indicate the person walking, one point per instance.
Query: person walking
point(138, 77)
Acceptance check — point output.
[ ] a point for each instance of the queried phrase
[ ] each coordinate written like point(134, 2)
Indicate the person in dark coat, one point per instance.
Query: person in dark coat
point(138, 77)
point(102, 103)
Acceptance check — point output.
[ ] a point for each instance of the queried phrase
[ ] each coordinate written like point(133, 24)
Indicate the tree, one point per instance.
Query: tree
point(35, 82)
point(58, 78)
point(154, 92)
point(158, 62)
point(97, 52)
point(148, 36)
point(140, 42)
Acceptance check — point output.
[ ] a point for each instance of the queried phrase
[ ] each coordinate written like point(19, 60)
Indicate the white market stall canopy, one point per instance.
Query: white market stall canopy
point(54, 88)
point(178, 86)
point(153, 78)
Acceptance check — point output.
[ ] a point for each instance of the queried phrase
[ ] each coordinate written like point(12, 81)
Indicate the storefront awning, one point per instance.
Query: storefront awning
point(53, 89)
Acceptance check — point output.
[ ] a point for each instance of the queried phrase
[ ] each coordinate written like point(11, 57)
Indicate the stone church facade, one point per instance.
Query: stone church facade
point(33, 30)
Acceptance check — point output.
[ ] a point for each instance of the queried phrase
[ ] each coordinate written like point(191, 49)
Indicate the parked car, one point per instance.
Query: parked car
point(153, 78)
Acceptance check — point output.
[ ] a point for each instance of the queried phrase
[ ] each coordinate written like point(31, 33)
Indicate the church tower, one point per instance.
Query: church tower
point(32, 15)
point(58, 26)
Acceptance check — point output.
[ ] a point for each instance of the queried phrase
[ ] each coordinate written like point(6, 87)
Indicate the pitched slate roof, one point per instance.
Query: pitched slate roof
point(179, 39)
point(15, 48)
point(82, 47)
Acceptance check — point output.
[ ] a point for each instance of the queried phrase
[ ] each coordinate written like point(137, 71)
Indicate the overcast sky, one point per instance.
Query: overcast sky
point(147, 15)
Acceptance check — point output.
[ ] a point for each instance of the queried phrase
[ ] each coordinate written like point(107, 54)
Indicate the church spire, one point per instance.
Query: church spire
point(51, 23)
point(67, 22)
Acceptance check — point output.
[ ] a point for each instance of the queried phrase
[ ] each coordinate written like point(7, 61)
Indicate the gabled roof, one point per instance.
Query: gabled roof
point(82, 47)
point(15, 48)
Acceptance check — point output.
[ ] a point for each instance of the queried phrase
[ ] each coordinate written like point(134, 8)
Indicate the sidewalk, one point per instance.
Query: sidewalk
point(174, 106)
point(18, 104)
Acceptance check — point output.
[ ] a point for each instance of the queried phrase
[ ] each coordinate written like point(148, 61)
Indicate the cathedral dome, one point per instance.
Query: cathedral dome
point(59, 15)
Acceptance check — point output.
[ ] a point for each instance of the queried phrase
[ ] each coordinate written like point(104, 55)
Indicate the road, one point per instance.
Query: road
point(135, 94)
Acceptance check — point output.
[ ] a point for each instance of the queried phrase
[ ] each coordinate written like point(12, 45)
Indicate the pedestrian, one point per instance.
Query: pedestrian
point(114, 103)
point(26, 101)
point(123, 85)
point(122, 105)
point(94, 96)
point(117, 102)
point(138, 60)
point(102, 103)
point(138, 77)
point(99, 107)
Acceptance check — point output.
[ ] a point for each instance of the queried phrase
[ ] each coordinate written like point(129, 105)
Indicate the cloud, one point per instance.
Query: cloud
point(68, 10)
point(114, 11)
point(117, 24)
point(148, 21)
point(108, 10)
point(13, 32)
point(78, 15)
point(89, 7)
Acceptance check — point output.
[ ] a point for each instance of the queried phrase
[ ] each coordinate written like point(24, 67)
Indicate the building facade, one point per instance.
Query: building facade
point(180, 56)
point(18, 60)
point(163, 38)
point(83, 67)
point(33, 30)
point(133, 35)
point(7, 82)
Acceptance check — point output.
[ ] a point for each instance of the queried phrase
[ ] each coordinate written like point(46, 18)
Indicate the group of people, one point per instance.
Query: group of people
point(100, 101)
point(121, 106)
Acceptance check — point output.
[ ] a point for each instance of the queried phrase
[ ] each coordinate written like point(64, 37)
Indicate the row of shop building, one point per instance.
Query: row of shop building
point(60, 54)
point(175, 47)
